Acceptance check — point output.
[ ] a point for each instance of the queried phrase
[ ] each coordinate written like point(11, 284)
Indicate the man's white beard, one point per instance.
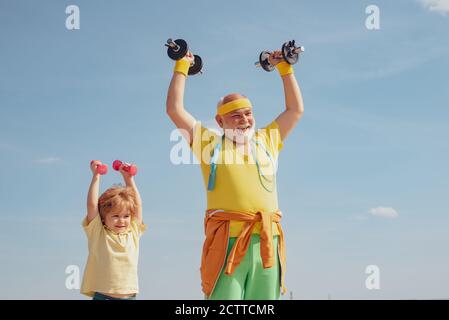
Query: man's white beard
point(238, 136)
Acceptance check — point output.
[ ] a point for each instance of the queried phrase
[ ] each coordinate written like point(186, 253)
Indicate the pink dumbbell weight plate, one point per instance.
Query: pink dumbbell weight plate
point(130, 168)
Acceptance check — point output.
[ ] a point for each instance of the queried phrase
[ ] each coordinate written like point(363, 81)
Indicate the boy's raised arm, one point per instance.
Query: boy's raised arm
point(129, 182)
point(92, 194)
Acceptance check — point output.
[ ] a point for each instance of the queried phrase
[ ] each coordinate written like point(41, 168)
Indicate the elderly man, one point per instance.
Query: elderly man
point(244, 252)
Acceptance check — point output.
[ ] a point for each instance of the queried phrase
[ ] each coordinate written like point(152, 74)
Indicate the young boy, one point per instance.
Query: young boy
point(113, 226)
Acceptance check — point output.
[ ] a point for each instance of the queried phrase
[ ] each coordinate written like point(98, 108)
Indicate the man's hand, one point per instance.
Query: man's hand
point(189, 57)
point(276, 57)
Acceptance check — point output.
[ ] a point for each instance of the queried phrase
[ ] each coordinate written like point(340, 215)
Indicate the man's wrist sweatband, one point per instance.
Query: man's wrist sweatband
point(284, 68)
point(182, 66)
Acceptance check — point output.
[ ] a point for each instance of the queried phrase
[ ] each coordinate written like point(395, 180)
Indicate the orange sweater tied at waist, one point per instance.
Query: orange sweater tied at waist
point(216, 226)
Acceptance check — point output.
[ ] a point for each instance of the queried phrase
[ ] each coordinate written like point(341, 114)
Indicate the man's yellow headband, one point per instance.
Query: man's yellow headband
point(234, 105)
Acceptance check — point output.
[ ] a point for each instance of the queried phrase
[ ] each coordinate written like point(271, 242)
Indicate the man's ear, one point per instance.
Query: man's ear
point(219, 120)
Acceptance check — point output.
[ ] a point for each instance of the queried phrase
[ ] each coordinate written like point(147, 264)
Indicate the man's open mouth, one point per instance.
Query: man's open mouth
point(244, 129)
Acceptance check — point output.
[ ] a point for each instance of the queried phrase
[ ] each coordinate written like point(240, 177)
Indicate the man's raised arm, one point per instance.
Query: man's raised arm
point(183, 120)
point(294, 106)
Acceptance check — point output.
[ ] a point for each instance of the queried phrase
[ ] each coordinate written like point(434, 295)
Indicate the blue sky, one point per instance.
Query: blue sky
point(374, 135)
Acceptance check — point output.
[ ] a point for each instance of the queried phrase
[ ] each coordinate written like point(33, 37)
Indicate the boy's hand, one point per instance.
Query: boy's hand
point(275, 57)
point(93, 167)
point(125, 174)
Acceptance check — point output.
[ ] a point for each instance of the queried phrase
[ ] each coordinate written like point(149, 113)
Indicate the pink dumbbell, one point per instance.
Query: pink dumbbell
point(130, 168)
point(100, 168)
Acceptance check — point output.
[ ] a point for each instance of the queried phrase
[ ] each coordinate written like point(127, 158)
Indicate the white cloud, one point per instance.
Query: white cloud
point(441, 6)
point(49, 160)
point(384, 212)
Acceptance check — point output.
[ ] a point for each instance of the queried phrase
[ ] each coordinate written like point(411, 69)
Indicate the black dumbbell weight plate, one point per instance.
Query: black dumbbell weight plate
point(181, 52)
point(197, 66)
point(265, 62)
point(288, 54)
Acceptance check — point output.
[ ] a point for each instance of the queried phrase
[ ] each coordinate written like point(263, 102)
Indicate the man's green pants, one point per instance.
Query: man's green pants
point(250, 281)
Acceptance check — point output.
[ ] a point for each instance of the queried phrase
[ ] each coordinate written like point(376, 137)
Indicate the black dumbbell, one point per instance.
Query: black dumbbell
point(290, 53)
point(178, 49)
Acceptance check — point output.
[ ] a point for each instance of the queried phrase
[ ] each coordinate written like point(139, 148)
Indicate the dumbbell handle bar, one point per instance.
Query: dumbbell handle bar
point(172, 44)
point(296, 50)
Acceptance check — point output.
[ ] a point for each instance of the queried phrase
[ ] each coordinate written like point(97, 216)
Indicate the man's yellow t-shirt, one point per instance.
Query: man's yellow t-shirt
point(112, 263)
point(241, 183)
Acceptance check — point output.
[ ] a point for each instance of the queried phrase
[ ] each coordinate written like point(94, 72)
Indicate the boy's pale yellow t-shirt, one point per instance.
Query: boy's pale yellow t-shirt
point(238, 184)
point(112, 263)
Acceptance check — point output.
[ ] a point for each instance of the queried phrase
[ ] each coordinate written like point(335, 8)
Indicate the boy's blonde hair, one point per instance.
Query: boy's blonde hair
point(117, 199)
